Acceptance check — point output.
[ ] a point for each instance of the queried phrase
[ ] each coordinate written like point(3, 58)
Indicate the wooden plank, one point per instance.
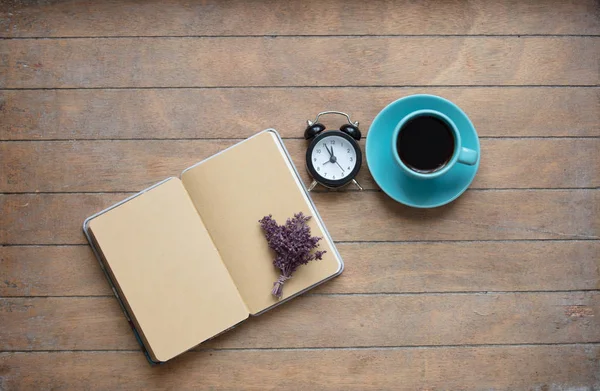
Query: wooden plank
point(291, 61)
point(559, 367)
point(425, 320)
point(132, 18)
point(467, 266)
point(241, 112)
point(349, 216)
point(91, 166)
point(51, 271)
point(370, 268)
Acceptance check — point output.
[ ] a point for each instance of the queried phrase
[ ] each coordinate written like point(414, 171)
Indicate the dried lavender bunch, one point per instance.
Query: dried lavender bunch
point(292, 244)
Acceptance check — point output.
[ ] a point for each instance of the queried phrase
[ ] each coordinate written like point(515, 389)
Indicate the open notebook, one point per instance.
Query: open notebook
point(187, 258)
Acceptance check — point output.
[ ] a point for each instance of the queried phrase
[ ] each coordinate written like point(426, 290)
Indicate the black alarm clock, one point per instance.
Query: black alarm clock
point(333, 158)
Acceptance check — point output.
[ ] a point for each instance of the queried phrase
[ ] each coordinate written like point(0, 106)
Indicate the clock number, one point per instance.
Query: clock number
point(334, 177)
point(332, 142)
point(351, 159)
point(315, 159)
point(342, 144)
point(318, 168)
point(324, 145)
point(348, 150)
point(324, 174)
point(318, 151)
point(348, 167)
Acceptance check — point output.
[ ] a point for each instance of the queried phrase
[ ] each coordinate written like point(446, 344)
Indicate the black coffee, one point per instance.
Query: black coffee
point(425, 144)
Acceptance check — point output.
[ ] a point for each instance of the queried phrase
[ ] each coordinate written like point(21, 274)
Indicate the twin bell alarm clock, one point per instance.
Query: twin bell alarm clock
point(333, 158)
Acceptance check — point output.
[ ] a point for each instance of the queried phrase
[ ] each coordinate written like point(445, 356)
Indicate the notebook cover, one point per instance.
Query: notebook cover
point(290, 293)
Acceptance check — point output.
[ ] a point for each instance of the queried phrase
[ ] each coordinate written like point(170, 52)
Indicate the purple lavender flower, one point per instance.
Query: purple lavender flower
point(292, 245)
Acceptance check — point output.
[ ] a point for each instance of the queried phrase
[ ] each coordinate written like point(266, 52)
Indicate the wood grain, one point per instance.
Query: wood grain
point(241, 112)
point(325, 321)
point(412, 309)
point(132, 18)
point(58, 166)
point(288, 61)
point(51, 271)
point(370, 268)
point(466, 368)
point(349, 216)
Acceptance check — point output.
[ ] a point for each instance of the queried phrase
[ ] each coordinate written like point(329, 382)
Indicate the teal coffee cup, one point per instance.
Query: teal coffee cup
point(426, 144)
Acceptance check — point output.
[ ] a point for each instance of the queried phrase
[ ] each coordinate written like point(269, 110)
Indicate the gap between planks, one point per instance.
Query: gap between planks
point(351, 241)
point(359, 294)
point(228, 87)
point(274, 36)
point(284, 138)
point(351, 348)
point(314, 191)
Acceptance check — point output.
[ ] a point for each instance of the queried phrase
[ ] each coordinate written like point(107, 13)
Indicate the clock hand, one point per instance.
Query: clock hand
point(335, 160)
point(329, 151)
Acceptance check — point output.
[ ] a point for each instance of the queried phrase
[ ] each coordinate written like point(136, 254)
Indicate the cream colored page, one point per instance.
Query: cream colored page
point(168, 269)
point(235, 189)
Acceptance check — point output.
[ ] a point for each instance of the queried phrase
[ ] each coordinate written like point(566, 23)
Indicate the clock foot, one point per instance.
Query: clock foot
point(312, 185)
point(357, 185)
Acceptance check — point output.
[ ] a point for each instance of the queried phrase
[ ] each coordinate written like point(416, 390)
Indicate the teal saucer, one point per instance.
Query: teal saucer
point(418, 193)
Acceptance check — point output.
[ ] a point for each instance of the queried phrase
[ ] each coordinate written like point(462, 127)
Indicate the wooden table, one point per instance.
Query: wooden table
point(499, 290)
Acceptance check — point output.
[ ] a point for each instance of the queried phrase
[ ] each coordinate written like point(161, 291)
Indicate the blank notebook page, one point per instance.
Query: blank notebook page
point(169, 271)
point(232, 191)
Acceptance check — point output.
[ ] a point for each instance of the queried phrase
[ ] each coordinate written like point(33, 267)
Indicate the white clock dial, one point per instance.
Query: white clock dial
point(333, 158)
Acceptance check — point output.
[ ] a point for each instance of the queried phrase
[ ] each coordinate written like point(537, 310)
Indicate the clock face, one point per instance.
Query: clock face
point(334, 158)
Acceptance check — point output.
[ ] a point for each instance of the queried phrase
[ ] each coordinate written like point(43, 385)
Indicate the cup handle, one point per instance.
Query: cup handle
point(467, 156)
